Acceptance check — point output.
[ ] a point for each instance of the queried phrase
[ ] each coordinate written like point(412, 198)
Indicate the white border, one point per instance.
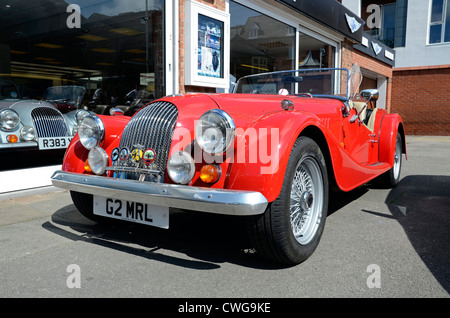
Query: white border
point(191, 77)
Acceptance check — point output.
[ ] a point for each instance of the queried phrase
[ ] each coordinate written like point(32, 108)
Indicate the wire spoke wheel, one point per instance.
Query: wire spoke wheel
point(397, 158)
point(306, 200)
point(290, 229)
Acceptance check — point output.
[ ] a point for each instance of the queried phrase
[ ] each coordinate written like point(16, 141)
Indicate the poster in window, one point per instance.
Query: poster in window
point(210, 47)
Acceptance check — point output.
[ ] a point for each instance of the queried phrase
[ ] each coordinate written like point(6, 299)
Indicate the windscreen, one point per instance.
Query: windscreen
point(69, 94)
point(299, 82)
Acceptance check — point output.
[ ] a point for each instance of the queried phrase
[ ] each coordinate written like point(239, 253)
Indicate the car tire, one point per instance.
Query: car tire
point(291, 238)
point(84, 203)
point(391, 177)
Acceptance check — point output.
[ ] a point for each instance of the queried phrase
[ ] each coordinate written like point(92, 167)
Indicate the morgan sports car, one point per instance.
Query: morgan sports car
point(27, 124)
point(269, 152)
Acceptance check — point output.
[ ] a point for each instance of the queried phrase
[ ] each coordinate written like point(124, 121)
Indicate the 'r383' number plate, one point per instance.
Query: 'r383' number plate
point(54, 143)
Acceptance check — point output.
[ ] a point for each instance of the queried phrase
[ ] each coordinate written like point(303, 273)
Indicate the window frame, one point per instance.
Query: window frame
point(442, 23)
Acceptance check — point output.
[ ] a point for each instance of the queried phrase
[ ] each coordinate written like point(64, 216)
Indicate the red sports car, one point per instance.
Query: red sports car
point(268, 152)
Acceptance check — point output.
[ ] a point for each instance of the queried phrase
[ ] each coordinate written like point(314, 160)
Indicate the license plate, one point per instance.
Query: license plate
point(143, 213)
point(54, 143)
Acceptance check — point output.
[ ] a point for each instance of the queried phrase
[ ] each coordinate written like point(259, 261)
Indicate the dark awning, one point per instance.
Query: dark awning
point(332, 14)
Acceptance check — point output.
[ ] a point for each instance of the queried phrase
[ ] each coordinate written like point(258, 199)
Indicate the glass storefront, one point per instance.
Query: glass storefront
point(114, 48)
point(259, 43)
point(315, 53)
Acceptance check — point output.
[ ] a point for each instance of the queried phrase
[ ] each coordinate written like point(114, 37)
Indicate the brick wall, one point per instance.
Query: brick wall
point(349, 56)
point(380, 68)
point(421, 97)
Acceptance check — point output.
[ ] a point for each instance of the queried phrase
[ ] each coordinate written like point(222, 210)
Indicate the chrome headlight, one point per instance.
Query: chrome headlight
point(91, 132)
point(27, 133)
point(215, 131)
point(9, 119)
point(98, 160)
point(80, 115)
point(181, 167)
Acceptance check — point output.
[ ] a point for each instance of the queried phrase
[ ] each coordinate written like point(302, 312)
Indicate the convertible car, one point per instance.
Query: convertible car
point(27, 124)
point(268, 152)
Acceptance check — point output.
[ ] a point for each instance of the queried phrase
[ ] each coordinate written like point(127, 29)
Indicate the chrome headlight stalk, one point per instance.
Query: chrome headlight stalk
point(215, 131)
point(91, 132)
point(98, 160)
point(9, 119)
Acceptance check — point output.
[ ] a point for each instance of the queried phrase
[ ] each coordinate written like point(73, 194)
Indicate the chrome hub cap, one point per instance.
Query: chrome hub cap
point(306, 200)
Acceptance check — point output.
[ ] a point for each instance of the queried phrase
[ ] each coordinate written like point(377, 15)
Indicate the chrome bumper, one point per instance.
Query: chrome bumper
point(19, 145)
point(230, 202)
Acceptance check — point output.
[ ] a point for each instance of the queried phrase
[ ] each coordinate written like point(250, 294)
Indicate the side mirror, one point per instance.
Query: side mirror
point(370, 94)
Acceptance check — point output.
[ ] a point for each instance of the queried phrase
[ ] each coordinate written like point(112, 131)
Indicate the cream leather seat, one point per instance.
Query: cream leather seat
point(358, 106)
point(371, 122)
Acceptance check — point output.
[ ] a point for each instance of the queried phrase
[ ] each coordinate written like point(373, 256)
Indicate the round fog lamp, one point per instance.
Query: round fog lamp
point(181, 167)
point(27, 133)
point(98, 160)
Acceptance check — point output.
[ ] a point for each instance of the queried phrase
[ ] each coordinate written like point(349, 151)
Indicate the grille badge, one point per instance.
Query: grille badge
point(124, 153)
point(136, 155)
point(115, 154)
point(149, 156)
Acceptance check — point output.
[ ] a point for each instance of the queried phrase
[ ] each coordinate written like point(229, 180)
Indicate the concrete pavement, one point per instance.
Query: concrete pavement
point(402, 234)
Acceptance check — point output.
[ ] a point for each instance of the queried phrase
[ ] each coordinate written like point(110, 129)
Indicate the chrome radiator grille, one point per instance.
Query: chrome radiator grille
point(48, 122)
point(152, 127)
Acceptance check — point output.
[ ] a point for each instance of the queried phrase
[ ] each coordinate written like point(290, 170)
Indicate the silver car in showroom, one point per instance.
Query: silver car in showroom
point(27, 124)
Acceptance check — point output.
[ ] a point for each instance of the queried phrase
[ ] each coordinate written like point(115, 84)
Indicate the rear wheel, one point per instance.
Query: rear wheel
point(391, 178)
point(290, 229)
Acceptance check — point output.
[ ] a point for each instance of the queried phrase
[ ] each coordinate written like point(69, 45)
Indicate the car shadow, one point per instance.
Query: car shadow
point(421, 204)
point(207, 239)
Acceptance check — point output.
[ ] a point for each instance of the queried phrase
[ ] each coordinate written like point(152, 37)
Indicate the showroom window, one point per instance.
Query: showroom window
point(439, 30)
point(315, 53)
point(259, 43)
point(110, 47)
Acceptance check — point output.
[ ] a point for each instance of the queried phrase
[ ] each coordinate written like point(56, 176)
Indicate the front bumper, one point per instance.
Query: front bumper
point(220, 201)
point(24, 145)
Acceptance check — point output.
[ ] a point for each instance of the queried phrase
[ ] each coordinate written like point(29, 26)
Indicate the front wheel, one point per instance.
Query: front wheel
point(84, 203)
point(290, 229)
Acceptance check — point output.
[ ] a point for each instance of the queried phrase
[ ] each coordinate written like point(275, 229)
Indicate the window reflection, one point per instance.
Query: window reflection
point(117, 49)
point(259, 43)
point(315, 53)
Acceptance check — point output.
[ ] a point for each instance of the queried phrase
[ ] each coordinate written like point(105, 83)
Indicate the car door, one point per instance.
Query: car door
point(360, 141)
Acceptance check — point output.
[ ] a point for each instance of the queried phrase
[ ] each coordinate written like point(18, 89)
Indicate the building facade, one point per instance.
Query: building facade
point(419, 31)
point(164, 47)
